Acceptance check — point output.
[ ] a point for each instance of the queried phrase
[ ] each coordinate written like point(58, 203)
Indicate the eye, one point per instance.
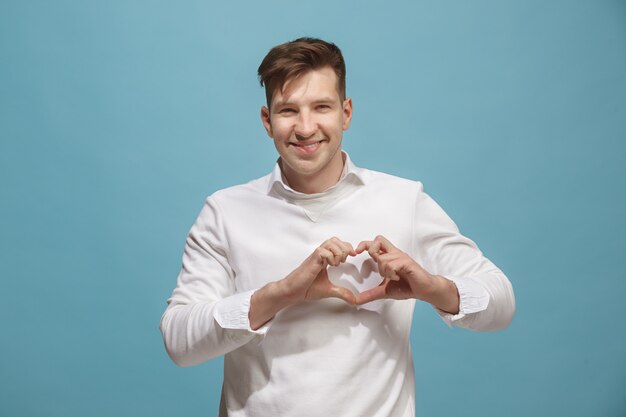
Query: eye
point(287, 110)
point(323, 107)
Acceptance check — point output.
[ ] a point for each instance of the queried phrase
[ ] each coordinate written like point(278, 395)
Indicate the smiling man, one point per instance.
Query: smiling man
point(306, 279)
point(307, 118)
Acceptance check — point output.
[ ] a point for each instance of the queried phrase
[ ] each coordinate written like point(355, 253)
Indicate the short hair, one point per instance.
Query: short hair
point(290, 60)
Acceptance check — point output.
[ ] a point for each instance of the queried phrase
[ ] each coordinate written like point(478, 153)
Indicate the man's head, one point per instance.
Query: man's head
point(307, 111)
point(290, 60)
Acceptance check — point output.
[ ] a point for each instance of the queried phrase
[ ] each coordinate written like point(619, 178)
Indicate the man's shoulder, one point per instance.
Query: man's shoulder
point(383, 179)
point(241, 192)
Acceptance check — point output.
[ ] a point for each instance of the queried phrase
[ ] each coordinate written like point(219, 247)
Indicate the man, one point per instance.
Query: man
point(306, 279)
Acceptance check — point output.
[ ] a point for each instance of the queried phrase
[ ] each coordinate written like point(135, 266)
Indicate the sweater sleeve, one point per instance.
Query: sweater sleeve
point(487, 302)
point(206, 317)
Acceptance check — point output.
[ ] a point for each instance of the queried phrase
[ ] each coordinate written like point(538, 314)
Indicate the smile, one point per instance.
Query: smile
point(308, 148)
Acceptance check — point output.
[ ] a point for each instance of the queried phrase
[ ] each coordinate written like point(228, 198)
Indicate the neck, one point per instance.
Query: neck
point(317, 182)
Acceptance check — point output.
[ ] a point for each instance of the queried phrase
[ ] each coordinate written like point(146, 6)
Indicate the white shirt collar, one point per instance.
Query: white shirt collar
point(350, 171)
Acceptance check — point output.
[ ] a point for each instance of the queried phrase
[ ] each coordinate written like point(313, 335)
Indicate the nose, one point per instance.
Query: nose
point(305, 125)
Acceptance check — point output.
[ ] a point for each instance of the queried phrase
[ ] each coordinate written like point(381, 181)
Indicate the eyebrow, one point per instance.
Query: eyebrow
point(290, 103)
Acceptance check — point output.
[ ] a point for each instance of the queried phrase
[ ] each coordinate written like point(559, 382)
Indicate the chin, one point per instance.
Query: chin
point(305, 168)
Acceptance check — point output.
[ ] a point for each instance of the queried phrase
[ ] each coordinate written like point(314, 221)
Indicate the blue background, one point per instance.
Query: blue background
point(117, 119)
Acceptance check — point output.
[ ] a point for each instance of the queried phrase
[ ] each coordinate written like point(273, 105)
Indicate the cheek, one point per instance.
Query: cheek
point(335, 125)
point(331, 121)
point(281, 130)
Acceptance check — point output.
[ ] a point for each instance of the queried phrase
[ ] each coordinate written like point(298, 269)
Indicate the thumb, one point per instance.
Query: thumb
point(342, 293)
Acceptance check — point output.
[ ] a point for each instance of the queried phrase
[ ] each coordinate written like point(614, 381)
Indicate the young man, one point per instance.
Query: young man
point(306, 279)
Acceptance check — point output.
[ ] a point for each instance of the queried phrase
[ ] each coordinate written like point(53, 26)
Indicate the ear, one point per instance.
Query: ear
point(347, 113)
point(265, 118)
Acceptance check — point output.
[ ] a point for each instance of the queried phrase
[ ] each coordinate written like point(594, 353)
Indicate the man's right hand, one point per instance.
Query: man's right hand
point(309, 281)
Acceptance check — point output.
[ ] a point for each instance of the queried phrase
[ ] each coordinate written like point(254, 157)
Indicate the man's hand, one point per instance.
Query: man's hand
point(309, 281)
point(404, 278)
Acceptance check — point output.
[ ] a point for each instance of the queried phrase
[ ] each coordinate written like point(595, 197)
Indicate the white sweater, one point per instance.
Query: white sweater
point(322, 358)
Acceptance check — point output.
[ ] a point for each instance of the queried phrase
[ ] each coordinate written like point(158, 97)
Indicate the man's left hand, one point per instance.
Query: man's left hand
point(404, 278)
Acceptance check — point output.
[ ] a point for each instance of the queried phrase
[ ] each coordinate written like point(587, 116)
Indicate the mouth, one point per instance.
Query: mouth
point(307, 148)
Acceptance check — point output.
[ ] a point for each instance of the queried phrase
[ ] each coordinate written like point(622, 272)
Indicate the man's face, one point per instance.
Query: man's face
point(306, 121)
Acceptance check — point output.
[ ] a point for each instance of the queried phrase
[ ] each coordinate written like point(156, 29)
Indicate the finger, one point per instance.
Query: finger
point(325, 256)
point(388, 257)
point(384, 244)
point(363, 246)
point(389, 265)
point(387, 268)
point(338, 252)
point(374, 250)
point(346, 247)
point(350, 249)
point(376, 293)
point(391, 273)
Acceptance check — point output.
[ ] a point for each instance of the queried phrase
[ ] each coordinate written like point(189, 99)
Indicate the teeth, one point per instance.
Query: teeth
point(309, 146)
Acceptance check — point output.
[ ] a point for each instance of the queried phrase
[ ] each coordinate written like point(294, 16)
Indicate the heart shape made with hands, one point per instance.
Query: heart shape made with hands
point(358, 273)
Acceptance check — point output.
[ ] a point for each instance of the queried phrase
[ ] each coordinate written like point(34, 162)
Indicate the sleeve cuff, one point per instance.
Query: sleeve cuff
point(232, 313)
point(473, 298)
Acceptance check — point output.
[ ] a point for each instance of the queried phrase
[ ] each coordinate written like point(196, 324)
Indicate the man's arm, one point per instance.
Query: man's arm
point(465, 287)
point(487, 302)
point(203, 319)
point(206, 317)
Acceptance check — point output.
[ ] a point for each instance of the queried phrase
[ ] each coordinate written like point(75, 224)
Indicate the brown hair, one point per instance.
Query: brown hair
point(292, 59)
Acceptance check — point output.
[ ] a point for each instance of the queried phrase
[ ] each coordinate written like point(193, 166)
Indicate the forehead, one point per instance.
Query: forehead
point(310, 85)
